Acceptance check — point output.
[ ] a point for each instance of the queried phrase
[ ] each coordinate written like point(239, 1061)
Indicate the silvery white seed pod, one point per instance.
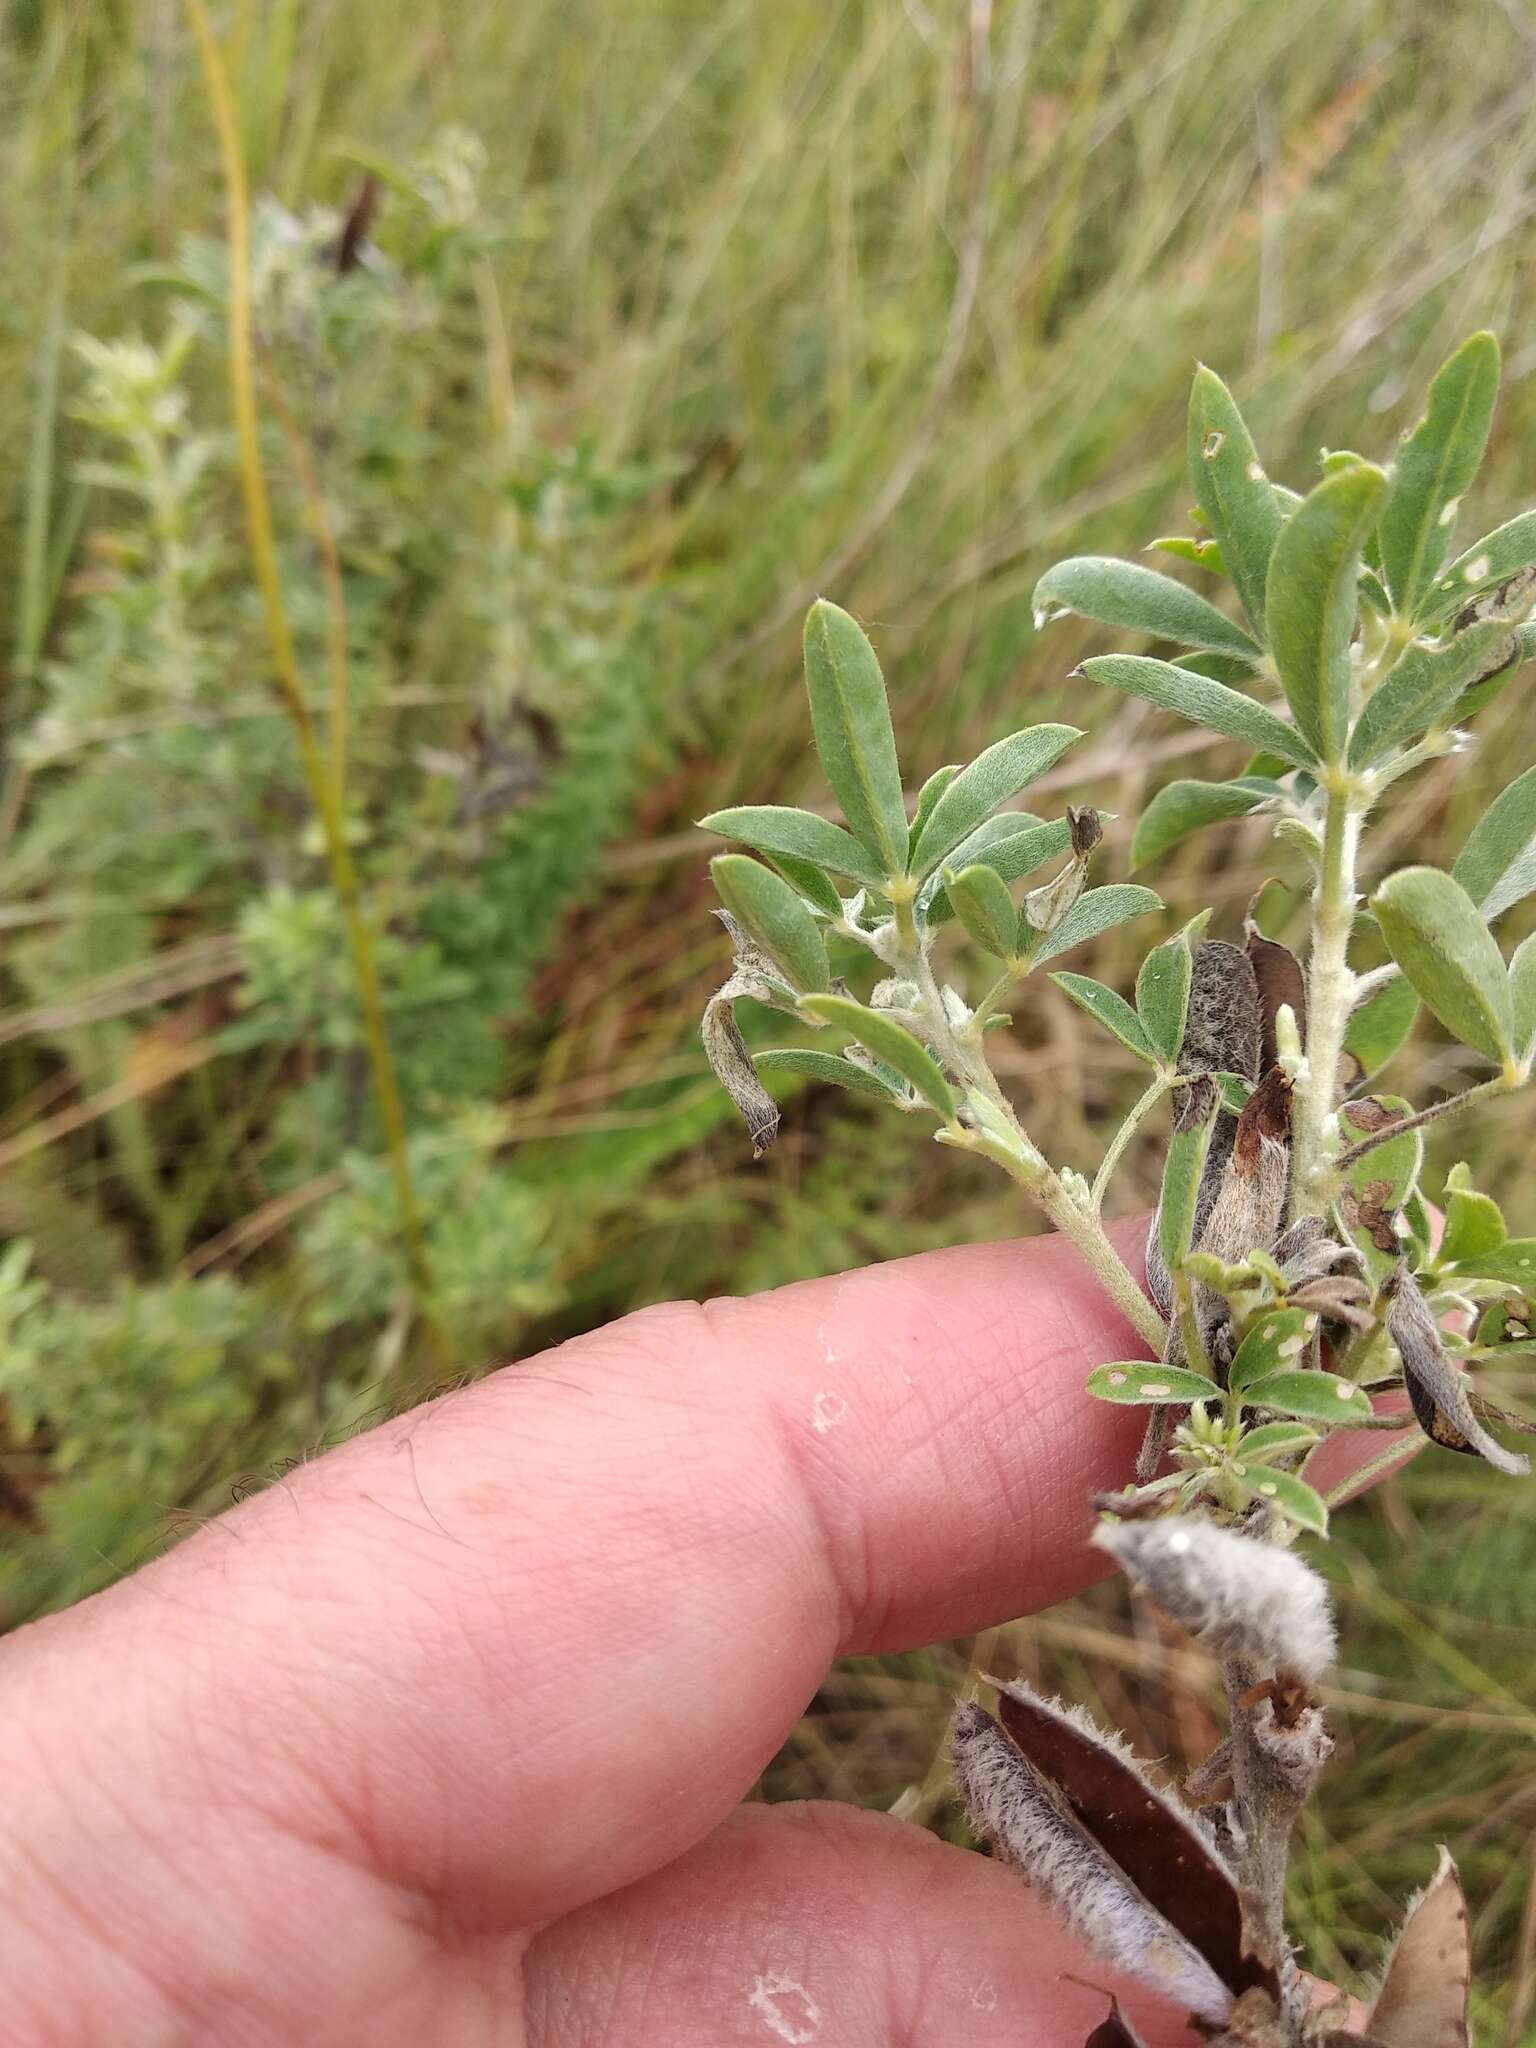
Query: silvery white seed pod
point(1032, 1826)
point(1241, 1597)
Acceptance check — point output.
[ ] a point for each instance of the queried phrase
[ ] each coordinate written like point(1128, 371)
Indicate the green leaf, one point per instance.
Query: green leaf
point(1162, 993)
point(1202, 701)
point(1273, 1440)
point(1383, 1180)
point(1497, 866)
point(1013, 844)
point(1182, 1168)
point(1110, 1010)
point(811, 883)
point(851, 719)
point(888, 1041)
point(1434, 466)
point(1511, 1264)
point(927, 797)
point(1133, 1383)
point(1424, 688)
point(1522, 991)
point(1474, 1222)
point(777, 829)
point(1094, 912)
point(994, 776)
point(1272, 1345)
point(1434, 933)
point(1236, 498)
point(1485, 565)
point(1316, 1396)
point(1312, 600)
point(979, 897)
point(823, 1066)
point(771, 912)
point(1205, 554)
point(1289, 1496)
point(1125, 594)
point(1378, 1027)
point(1182, 807)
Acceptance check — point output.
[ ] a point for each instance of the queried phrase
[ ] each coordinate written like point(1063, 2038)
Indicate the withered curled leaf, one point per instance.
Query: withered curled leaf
point(1423, 2001)
point(1435, 1386)
point(1146, 1834)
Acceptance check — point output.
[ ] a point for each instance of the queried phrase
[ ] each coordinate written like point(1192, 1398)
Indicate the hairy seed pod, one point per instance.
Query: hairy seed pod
point(1435, 1386)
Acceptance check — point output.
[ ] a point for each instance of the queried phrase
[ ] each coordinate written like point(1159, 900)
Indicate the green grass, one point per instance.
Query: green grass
point(756, 303)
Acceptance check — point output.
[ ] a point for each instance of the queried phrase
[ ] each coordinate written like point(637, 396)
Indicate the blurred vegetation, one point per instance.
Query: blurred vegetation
point(666, 318)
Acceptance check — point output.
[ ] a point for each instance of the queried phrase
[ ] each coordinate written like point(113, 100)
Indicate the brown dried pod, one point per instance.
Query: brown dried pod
point(1278, 976)
point(1435, 1385)
point(1423, 2001)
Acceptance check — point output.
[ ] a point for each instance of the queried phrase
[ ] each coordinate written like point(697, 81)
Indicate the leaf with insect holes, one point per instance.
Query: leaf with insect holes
point(1433, 468)
point(1435, 934)
point(851, 718)
point(1186, 806)
point(1379, 1027)
point(1314, 1396)
point(1095, 912)
point(1201, 700)
point(1312, 599)
point(1110, 1010)
point(887, 1040)
point(979, 897)
point(1183, 1166)
point(1272, 1440)
point(1497, 866)
point(773, 914)
point(1125, 594)
point(1012, 843)
point(1162, 989)
point(1238, 502)
point(1424, 689)
point(1381, 1183)
point(823, 1066)
point(1522, 993)
point(1474, 1222)
point(997, 774)
point(1273, 1345)
point(1423, 2000)
point(1486, 566)
point(1133, 1385)
point(777, 829)
point(1289, 1496)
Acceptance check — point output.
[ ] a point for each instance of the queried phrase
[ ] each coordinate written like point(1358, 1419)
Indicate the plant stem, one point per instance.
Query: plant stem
point(1499, 1085)
point(1330, 998)
point(323, 784)
point(1122, 1137)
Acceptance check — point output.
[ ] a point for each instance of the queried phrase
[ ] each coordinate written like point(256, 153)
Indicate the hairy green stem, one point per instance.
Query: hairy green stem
point(1501, 1084)
point(1330, 998)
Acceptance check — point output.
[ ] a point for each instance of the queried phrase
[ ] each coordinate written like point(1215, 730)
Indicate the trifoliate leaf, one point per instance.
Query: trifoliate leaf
point(890, 1042)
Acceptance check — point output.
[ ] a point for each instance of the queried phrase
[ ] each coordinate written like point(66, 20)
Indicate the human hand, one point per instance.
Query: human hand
point(442, 1740)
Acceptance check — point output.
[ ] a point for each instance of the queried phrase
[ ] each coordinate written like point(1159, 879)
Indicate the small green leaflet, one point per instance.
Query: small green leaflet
point(812, 884)
point(1511, 1264)
point(1182, 1169)
point(1125, 594)
point(1096, 911)
point(998, 773)
point(1013, 844)
point(1435, 934)
point(1162, 992)
point(1182, 807)
point(1312, 600)
point(1497, 866)
point(1522, 991)
point(1425, 687)
point(777, 829)
point(1202, 701)
point(1485, 565)
point(927, 797)
point(1434, 466)
point(1316, 1396)
point(1133, 1383)
point(1272, 1440)
point(851, 719)
point(979, 897)
point(823, 1066)
point(1474, 1222)
point(888, 1041)
point(1379, 1026)
point(1289, 1496)
point(1272, 1345)
point(1235, 497)
point(773, 914)
point(1110, 1010)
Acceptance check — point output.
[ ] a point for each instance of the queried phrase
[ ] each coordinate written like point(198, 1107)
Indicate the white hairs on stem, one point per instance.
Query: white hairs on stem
point(1241, 1597)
